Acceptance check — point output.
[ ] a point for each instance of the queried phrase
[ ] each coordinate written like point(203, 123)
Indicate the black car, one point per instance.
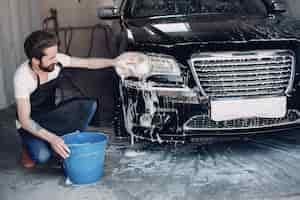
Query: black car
point(215, 68)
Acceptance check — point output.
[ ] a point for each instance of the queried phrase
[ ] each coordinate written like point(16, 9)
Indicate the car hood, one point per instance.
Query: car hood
point(204, 29)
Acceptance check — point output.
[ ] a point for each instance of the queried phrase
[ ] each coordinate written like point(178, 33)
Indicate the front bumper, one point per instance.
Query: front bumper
point(165, 114)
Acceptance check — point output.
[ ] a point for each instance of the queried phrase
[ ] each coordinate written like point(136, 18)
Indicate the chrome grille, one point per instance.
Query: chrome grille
point(238, 74)
point(204, 122)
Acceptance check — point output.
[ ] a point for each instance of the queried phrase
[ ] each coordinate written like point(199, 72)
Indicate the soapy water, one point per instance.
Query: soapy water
point(245, 167)
point(133, 153)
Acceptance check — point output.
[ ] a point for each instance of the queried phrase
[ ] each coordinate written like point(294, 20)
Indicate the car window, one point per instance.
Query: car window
point(146, 8)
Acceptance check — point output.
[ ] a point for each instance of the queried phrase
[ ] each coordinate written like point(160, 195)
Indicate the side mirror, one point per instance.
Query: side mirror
point(108, 13)
point(277, 6)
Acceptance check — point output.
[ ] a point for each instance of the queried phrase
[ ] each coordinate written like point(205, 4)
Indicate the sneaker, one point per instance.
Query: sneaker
point(26, 161)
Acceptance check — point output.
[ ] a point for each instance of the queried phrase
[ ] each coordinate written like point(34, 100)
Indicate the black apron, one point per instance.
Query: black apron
point(66, 117)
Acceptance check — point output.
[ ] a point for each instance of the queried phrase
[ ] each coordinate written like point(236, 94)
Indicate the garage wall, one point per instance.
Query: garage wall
point(293, 7)
point(18, 19)
point(76, 13)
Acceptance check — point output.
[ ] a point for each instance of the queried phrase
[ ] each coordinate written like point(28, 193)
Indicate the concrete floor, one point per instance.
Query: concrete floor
point(265, 167)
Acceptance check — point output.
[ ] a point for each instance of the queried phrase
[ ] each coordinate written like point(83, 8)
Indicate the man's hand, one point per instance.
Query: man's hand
point(59, 146)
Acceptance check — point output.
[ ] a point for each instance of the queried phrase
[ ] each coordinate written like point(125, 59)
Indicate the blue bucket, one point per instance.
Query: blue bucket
point(85, 163)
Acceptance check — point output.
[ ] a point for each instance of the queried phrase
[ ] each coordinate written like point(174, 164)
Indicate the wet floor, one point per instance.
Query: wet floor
point(262, 167)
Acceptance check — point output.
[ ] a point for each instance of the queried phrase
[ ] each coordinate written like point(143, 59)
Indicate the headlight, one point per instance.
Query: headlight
point(162, 64)
point(149, 64)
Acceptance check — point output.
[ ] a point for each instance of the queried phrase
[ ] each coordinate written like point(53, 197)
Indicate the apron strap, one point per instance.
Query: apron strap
point(38, 80)
point(60, 66)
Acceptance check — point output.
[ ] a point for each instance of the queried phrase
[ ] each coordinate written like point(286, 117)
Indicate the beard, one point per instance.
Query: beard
point(49, 68)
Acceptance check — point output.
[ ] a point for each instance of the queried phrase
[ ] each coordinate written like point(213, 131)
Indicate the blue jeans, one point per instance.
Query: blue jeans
point(67, 117)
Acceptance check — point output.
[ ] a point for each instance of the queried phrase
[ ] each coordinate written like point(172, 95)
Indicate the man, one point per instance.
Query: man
point(40, 122)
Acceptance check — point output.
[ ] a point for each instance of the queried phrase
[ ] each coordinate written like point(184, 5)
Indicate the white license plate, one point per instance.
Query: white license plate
point(274, 107)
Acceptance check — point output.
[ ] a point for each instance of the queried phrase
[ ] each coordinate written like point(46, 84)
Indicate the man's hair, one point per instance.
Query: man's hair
point(37, 42)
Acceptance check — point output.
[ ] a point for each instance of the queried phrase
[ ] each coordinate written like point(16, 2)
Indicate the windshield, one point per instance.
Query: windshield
point(147, 8)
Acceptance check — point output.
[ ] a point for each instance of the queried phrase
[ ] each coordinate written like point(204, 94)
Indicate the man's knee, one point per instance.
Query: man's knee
point(89, 102)
point(42, 156)
point(94, 106)
point(89, 106)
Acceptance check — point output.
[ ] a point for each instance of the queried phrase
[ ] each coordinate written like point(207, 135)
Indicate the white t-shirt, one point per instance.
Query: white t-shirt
point(25, 83)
